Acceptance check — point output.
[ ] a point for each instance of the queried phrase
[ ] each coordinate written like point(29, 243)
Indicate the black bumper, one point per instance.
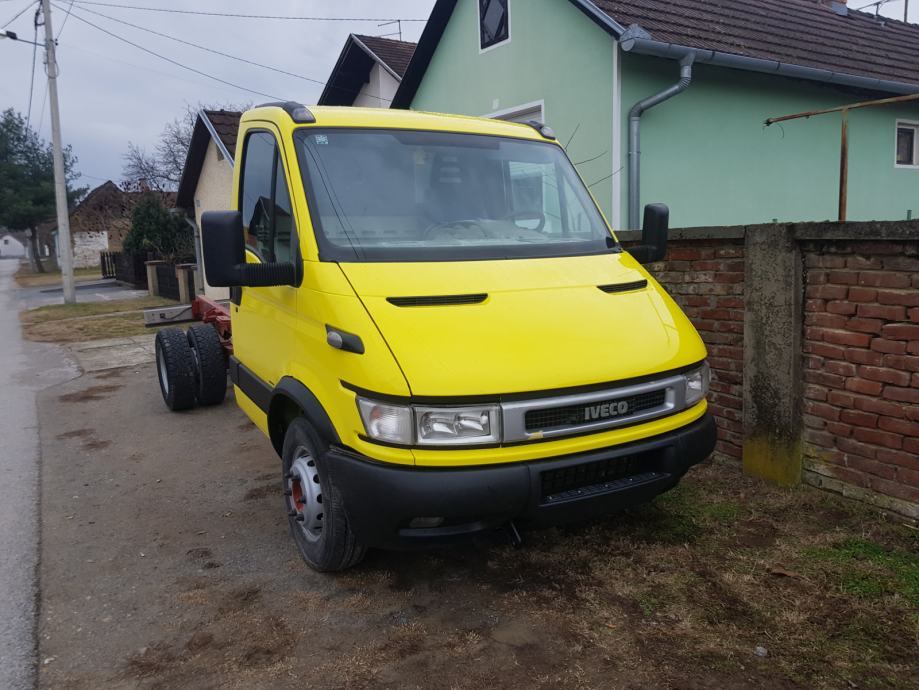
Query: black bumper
point(382, 500)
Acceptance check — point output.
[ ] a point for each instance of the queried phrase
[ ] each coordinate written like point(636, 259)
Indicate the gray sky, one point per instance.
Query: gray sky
point(112, 93)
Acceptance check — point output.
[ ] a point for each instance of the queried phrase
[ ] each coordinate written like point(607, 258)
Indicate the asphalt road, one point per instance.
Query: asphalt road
point(27, 368)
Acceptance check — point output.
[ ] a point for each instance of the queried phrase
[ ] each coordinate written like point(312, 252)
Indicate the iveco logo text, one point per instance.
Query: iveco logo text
point(606, 410)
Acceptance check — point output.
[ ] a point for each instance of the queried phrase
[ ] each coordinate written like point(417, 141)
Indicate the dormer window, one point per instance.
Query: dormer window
point(494, 23)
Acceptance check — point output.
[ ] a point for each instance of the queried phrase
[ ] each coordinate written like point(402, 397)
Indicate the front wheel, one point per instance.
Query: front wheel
point(314, 507)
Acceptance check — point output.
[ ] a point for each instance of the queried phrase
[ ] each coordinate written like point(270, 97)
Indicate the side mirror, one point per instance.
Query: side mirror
point(224, 249)
point(653, 245)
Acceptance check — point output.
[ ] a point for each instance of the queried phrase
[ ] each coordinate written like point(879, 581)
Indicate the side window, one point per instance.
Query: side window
point(265, 200)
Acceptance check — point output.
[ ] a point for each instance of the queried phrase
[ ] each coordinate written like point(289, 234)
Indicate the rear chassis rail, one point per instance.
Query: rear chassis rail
point(201, 309)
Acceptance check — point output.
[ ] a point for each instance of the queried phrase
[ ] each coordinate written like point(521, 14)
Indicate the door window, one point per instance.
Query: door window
point(265, 200)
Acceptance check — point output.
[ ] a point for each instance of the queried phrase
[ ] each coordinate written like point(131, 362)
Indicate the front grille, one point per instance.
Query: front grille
point(595, 477)
point(580, 414)
point(437, 300)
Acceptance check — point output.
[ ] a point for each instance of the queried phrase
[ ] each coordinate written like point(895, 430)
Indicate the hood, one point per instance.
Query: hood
point(501, 327)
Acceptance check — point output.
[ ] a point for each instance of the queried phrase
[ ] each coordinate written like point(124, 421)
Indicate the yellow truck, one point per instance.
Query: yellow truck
point(437, 330)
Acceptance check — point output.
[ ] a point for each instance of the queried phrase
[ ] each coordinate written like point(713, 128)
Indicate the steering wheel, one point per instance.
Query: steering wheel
point(528, 215)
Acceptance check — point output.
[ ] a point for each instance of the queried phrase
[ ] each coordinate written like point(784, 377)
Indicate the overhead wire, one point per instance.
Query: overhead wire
point(212, 50)
point(242, 15)
point(18, 14)
point(168, 59)
point(64, 23)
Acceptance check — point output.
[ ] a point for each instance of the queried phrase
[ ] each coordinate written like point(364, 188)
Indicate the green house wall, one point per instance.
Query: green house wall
point(708, 155)
point(705, 153)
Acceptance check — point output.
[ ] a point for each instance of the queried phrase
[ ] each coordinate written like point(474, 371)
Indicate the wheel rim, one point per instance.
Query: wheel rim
point(304, 495)
point(161, 370)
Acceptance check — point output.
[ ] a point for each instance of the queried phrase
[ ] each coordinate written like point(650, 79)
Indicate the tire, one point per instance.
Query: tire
point(318, 523)
point(210, 365)
point(175, 367)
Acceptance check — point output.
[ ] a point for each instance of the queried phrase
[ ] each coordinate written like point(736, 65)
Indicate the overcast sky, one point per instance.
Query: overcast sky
point(112, 93)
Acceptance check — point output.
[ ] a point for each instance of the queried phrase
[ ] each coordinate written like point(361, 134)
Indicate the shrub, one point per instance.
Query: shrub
point(155, 229)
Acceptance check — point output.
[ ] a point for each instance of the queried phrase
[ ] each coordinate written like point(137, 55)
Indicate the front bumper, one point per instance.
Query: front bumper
point(380, 501)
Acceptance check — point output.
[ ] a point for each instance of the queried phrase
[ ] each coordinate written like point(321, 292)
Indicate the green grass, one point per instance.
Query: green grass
point(26, 277)
point(869, 571)
point(72, 323)
point(57, 312)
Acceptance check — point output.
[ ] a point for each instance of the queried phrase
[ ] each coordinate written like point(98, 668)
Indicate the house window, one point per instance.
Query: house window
point(494, 23)
point(908, 144)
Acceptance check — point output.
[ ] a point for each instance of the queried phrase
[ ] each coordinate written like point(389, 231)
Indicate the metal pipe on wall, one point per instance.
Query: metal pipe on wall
point(635, 134)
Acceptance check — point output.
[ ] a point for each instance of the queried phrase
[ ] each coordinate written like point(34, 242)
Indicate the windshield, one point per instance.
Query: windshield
point(399, 195)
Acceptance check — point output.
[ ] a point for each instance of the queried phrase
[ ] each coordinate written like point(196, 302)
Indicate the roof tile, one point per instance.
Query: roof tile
point(801, 32)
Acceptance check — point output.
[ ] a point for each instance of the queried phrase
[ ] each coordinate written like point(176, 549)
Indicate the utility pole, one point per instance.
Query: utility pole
point(60, 179)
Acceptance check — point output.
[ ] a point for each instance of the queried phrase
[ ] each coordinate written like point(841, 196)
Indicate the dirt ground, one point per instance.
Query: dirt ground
point(166, 564)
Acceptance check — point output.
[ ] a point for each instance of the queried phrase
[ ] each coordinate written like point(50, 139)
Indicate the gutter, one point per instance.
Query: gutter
point(646, 46)
point(216, 138)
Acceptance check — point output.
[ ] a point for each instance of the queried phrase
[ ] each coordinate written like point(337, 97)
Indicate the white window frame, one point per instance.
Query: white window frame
point(478, 28)
point(910, 124)
point(509, 113)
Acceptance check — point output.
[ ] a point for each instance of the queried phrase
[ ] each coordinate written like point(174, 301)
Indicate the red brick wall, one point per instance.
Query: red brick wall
point(706, 278)
point(861, 360)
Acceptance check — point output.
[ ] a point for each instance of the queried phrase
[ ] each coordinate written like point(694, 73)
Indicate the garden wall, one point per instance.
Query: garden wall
point(813, 338)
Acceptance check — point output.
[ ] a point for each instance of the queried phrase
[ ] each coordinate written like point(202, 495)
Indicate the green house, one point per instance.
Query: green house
point(665, 100)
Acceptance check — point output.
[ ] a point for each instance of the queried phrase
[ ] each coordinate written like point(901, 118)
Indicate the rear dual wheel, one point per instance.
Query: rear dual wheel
point(175, 368)
point(210, 365)
point(191, 367)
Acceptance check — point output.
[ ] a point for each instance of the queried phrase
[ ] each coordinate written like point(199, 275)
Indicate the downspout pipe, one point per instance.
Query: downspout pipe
point(635, 114)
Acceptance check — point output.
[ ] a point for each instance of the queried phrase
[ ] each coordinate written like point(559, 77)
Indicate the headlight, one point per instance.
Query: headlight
point(386, 422)
point(457, 425)
point(430, 426)
point(697, 384)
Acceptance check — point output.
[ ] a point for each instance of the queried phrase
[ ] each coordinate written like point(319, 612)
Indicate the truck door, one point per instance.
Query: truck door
point(264, 317)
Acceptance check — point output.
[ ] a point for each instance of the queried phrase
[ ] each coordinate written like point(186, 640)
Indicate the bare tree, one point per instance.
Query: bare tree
point(161, 170)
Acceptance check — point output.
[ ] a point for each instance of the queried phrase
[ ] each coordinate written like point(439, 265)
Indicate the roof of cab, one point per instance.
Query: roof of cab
point(338, 116)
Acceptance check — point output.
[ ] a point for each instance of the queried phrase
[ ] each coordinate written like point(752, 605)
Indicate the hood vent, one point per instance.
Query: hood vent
point(437, 300)
point(624, 287)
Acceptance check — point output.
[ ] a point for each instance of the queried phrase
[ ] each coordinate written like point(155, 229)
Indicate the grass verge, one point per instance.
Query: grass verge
point(26, 277)
point(72, 323)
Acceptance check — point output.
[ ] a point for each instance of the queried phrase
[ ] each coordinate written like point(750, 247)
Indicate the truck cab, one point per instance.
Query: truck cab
point(437, 330)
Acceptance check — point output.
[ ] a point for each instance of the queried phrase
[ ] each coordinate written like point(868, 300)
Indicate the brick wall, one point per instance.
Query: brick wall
point(861, 350)
point(706, 278)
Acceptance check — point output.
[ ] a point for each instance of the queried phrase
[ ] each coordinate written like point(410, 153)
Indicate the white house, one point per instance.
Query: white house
point(368, 72)
point(11, 248)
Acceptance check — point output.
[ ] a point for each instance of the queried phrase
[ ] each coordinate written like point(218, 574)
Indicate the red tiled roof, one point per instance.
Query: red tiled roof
point(226, 123)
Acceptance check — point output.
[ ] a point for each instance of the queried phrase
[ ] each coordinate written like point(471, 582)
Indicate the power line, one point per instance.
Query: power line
point(212, 50)
point(64, 23)
point(170, 60)
point(18, 14)
point(201, 47)
point(246, 16)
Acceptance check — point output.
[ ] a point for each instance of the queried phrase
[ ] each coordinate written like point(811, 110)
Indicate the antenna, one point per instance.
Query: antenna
point(398, 23)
